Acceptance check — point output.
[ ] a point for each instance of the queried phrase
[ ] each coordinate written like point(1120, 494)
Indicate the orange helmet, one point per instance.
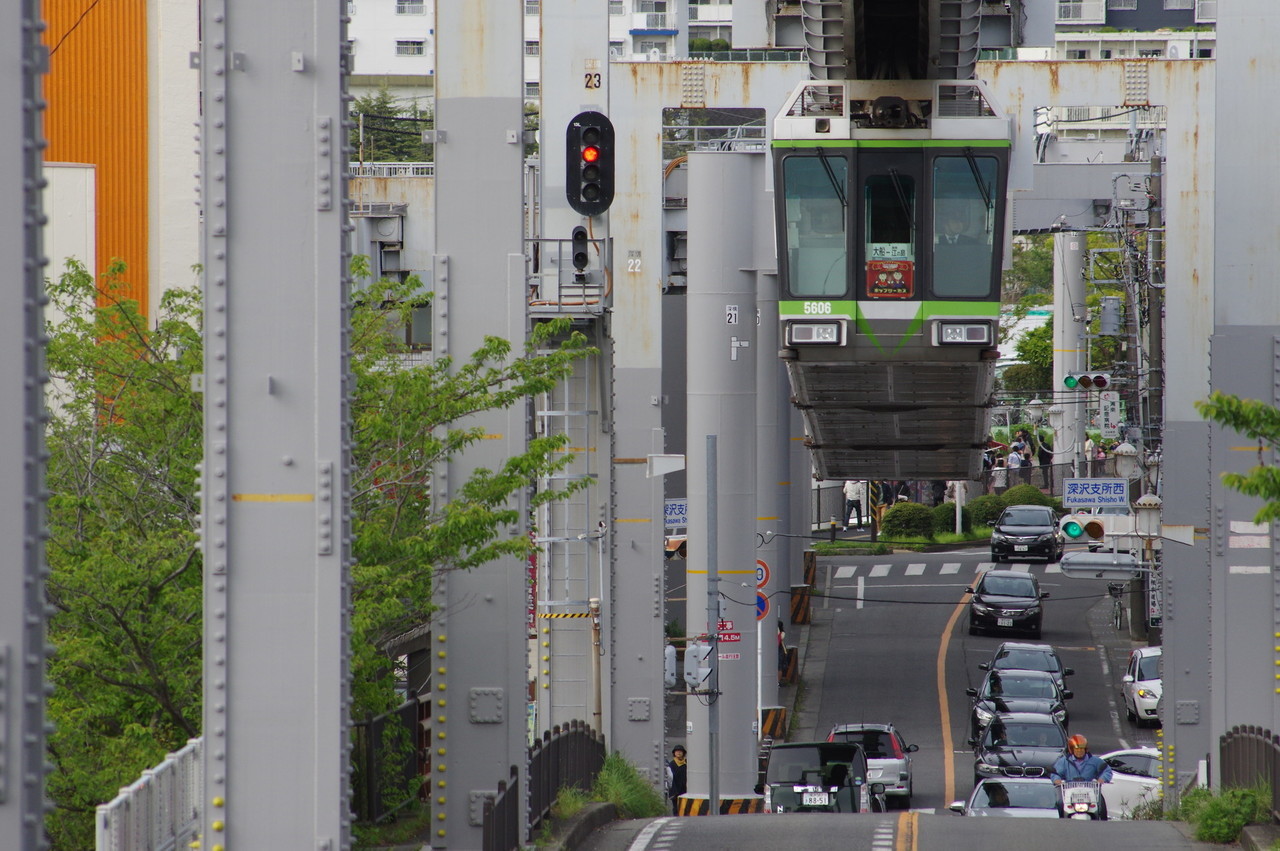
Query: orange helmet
point(1077, 741)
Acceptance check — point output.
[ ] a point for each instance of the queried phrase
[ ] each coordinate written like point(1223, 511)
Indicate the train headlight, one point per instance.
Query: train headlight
point(965, 333)
point(815, 333)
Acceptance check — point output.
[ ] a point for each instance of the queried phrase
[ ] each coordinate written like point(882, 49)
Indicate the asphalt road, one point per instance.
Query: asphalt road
point(889, 642)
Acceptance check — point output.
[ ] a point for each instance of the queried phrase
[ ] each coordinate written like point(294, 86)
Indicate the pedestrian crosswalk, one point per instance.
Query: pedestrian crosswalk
point(879, 571)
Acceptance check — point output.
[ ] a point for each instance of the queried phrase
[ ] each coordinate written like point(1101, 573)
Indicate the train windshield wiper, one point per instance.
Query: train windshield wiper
point(835, 184)
point(977, 177)
point(902, 199)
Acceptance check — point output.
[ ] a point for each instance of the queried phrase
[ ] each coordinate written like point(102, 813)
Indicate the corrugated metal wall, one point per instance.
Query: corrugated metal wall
point(97, 113)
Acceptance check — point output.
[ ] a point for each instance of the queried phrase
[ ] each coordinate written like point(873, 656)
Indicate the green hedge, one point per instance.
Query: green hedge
point(907, 520)
point(985, 509)
point(944, 518)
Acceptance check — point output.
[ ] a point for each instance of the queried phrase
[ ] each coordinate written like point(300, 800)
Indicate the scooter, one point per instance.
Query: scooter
point(1081, 799)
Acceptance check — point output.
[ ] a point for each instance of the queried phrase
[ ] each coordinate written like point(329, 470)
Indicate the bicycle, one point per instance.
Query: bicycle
point(1115, 589)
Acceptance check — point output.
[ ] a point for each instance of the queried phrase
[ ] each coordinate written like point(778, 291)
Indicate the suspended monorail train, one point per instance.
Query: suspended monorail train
point(890, 212)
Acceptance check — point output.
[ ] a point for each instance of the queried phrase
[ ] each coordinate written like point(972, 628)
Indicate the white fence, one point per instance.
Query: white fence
point(160, 811)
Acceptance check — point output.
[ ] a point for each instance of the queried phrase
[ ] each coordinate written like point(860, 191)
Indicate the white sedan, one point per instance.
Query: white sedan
point(1135, 780)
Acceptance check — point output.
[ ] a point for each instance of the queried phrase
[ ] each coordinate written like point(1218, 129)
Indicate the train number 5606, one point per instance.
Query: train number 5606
point(816, 307)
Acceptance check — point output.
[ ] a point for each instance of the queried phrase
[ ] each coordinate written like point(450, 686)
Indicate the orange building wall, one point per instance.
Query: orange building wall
point(96, 91)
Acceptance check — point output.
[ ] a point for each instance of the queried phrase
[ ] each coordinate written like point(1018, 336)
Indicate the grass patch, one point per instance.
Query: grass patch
point(411, 824)
point(1220, 817)
point(620, 784)
point(840, 548)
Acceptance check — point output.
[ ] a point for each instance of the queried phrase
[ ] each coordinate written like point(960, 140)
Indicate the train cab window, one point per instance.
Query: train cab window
point(816, 225)
point(964, 220)
point(890, 200)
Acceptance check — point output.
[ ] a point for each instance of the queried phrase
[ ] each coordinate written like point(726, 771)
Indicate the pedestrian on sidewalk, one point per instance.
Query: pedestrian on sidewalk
point(677, 777)
point(855, 494)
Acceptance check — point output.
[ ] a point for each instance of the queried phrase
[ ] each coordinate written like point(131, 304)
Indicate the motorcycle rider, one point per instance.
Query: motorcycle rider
point(1078, 764)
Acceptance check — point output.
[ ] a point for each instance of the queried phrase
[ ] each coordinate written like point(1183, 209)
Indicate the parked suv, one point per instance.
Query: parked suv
point(819, 777)
point(888, 757)
point(1027, 531)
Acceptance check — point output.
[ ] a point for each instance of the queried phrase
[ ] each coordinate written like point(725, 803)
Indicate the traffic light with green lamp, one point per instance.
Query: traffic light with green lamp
point(1086, 380)
point(1078, 526)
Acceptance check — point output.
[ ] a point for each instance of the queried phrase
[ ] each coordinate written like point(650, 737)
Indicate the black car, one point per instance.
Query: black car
point(1027, 531)
point(1024, 656)
point(1017, 744)
point(819, 777)
point(1016, 691)
point(1006, 599)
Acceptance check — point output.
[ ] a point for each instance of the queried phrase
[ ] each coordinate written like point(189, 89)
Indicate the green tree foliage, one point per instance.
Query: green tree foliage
point(125, 439)
point(986, 508)
point(1261, 422)
point(385, 130)
point(1030, 274)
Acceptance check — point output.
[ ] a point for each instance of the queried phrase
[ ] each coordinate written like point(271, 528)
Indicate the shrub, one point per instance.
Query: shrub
point(1225, 815)
point(944, 518)
point(1026, 495)
point(1220, 818)
point(984, 510)
point(908, 520)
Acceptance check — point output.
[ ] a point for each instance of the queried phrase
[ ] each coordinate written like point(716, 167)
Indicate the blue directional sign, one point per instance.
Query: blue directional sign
point(1094, 493)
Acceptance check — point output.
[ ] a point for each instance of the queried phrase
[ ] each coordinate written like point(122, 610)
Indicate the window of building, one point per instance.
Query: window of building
point(652, 48)
point(651, 6)
point(411, 48)
point(531, 48)
point(617, 7)
point(1105, 53)
point(410, 7)
point(1077, 54)
point(1179, 4)
point(532, 7)
point(617, 50)
point(1204, 53)
point(1151, 53)
point(1123, 5)
point(532, 91)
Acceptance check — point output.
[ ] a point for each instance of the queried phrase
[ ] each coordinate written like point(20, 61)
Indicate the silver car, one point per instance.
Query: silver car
point(888, 757)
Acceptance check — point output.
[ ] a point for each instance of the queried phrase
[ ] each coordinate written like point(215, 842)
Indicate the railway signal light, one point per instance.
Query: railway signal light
point(580, 255)
point(589, 163)
point(1086, 381)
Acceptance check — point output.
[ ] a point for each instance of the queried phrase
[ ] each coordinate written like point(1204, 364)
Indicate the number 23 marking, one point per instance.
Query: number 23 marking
point(593, 80)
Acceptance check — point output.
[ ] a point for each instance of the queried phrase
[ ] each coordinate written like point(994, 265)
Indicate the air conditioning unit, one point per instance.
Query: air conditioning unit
point(386, 229)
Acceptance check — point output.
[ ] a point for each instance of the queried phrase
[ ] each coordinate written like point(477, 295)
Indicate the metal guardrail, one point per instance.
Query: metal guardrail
point(158, 812)
point(1251, 755)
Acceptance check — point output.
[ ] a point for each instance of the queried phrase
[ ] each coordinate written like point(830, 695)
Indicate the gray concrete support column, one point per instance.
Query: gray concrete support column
point(274, 490)
point(1070, 322)
point(773, 505)
point(1244, 592)
point(480, 682)
point(721, 392)
point(22, 599)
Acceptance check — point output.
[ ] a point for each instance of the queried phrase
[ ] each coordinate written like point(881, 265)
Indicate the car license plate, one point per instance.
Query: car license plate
point(816, 799)
point(1004, 621)
point(1019, 548)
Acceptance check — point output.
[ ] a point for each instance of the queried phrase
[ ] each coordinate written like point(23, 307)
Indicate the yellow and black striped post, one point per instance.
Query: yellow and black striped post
point(773, 720)
point(810, 568)
point(688, 805)
point(800, 603)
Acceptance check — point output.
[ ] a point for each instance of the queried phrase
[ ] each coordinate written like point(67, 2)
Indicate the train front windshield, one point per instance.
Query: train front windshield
point(964, 223)
point(816, 225)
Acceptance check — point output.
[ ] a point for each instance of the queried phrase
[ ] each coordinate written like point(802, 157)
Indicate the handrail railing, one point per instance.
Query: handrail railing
point(1251, 755)
point(158, 812)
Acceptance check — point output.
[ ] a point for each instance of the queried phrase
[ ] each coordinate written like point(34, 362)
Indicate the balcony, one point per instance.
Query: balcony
point(1082, 12)
point(653, 23)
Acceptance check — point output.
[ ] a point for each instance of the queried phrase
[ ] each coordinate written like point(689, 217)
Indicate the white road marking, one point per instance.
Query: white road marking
point(915, 569)
point(950, 567)
point(643, 837)
point(1022, 566)
point(880, 570)
point(861, 586)
point(844, 571)
point(1053, 568)
point(983, 567)
point(1111, 698)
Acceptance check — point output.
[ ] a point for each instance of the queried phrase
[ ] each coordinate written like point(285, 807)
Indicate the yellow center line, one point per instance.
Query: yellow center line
point(906, 839)
point(948, 746)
